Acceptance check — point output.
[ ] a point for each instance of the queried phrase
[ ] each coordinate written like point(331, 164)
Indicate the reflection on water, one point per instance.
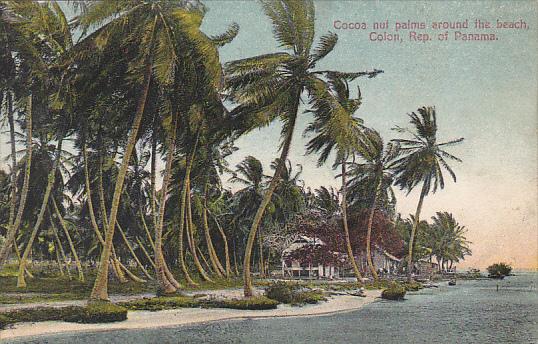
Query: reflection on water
point(471, 312)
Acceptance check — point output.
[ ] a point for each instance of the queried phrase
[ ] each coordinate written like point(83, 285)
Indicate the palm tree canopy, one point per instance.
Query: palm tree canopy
point(423, 158)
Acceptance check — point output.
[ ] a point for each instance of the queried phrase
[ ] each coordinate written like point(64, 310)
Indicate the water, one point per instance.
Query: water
point(471, 312)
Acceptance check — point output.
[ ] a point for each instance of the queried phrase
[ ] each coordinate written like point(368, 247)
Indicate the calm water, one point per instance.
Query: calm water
point(471, 312)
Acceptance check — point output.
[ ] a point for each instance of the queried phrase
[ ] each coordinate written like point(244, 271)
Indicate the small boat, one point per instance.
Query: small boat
point(452, 282)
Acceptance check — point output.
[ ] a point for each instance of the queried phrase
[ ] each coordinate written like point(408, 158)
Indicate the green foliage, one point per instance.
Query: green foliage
point(309, 297)
point(252, 303)
point(394, 292)
point(161, 303)
point(290, 293)
point(412, 286)
point(98, 312)
point(101, 312)
point(280, 291)
point(4, 321)
point(499, 269)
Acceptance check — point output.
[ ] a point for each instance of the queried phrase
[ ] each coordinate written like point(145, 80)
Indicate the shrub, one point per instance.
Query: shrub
point(98, 312)
point(499, 269)
point(280, 291)
point(394, 292)
point(161, 303)
point(252, 303)
point(413, 286)
point(309, 297)
point(4, 321)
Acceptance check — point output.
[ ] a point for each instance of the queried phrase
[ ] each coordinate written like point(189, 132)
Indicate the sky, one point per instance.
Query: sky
point(485, 92)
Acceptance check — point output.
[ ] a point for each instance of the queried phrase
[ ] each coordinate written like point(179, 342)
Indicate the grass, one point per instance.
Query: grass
point(173, 302)
point(101, 312)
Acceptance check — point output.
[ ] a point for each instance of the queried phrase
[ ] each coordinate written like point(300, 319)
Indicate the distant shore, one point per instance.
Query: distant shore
point(190, 316)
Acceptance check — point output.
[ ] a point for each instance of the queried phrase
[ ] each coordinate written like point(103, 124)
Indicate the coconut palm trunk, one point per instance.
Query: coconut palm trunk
point(349, 249)
point(148, 257)
point(213, 258)
point(13, 201)
point(69, 240)
point(183, 217)
point(165, 285)
point(100, 288)
point(369, 234)
point(12, 230)
point(190, 233)
point(21, 283)
point(247, 278)
point(132, 252)
point(225, 243)
point(414, 230)
point(59, 244)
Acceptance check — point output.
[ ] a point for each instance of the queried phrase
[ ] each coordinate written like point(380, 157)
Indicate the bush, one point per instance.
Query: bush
point(499, 270)
point(394, 292)
point(309, 297)
point(252, 303)
point(93, 313)
point(413, 286)
point(280, 291)
point(98, 312)
point(161, 303)
point(4, 321)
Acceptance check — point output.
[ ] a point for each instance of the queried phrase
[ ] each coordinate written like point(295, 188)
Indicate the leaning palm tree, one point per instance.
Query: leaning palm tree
point(371, 180)
point(270, 87)
point(336, 129)
point(422, 161)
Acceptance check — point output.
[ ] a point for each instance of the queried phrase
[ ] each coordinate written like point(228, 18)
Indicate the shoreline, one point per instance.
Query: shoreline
point(191, 316)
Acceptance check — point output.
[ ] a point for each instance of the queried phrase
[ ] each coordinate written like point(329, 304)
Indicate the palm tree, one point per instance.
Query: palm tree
point(449, 244)
point(371, 180)
point(270, 86)
point(422, 161)
point(337, 129)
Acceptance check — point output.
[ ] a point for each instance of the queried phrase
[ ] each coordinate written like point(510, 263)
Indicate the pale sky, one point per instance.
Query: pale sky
point(485, 92)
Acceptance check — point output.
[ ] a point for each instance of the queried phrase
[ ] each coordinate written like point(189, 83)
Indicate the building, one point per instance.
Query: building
point(300, 261)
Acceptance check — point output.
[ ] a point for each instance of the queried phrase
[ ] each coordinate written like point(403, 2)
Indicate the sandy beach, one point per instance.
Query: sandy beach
point(189, 316)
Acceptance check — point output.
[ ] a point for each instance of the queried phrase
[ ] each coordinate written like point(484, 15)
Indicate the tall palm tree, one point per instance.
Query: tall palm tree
point(271, 86)
point(337, 130)
point(371, 180)
point(422, 161)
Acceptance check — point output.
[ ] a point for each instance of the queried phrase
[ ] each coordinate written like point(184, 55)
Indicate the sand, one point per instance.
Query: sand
point(189, 316)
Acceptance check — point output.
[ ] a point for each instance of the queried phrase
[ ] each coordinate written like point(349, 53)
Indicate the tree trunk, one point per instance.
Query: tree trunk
point(132, 252)
point(13, 201)
point(190, 233)
point(261, 263)
point(247, 278)
point(59, 244)
point(71, 246)
point(12, 231)
point(369, 233)
point(148, 257)
point(346, 228)
point(414, 233)
point(164, 284)
point(51, 178)
point(225, 243)
point(100, 287)
point(215, 263)
point(183, 216)
point(117, 270)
